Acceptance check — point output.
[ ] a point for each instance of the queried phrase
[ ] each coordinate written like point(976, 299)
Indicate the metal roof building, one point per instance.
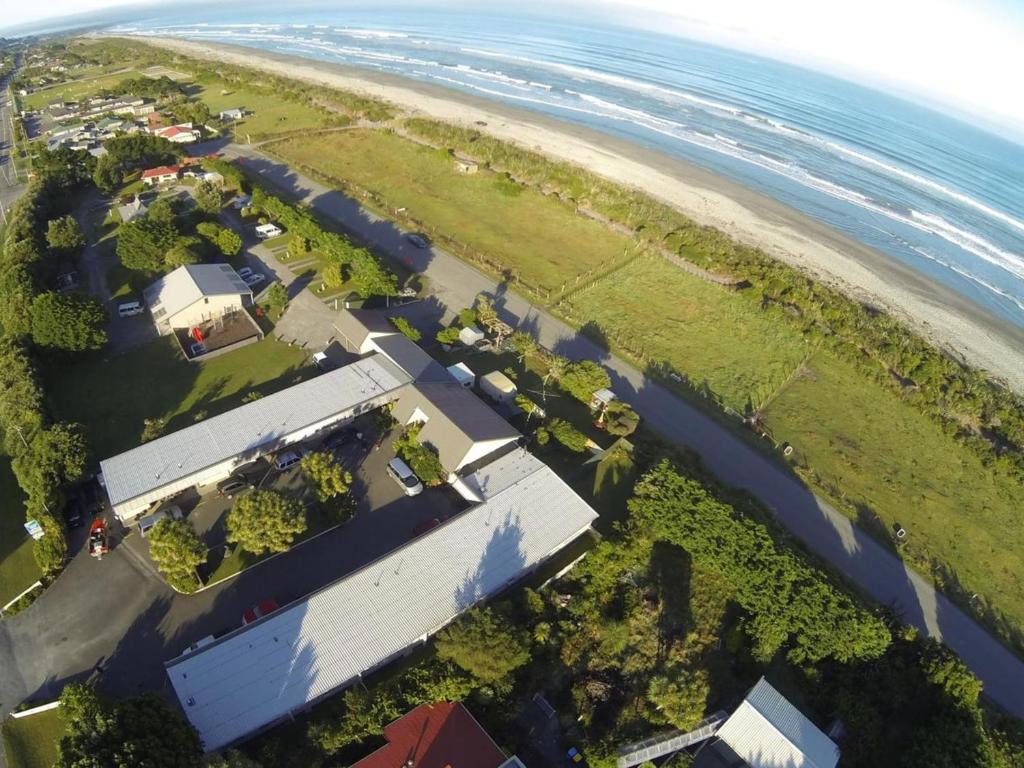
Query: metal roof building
point(264, 672)
point(766, 731)
point(207, 452)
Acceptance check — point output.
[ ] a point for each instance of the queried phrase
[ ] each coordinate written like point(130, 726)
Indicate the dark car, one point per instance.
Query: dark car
point(339, 439)
point(418, 240)
point(73, 513)
point(233, 485)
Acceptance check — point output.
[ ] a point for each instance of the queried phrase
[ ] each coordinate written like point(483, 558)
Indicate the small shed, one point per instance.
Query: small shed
point(600, 399)
point(466, 166)
point(231, 114)
point(499, 387)
point(462, 374)
point(471, 335)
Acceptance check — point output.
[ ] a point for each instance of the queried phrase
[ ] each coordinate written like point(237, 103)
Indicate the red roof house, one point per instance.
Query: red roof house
point(442, 735)
point(161, 174)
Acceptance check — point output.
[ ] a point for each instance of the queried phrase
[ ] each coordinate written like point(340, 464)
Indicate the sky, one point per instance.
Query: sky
point(963, 54)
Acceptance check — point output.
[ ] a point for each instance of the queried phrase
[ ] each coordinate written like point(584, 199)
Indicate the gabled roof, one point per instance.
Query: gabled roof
point(442, 735)
point(356, 325)
point(408, 355)
point(766, 731)
point(456, 419)
point(260, 673)
point(163, 170)
point(186, 285)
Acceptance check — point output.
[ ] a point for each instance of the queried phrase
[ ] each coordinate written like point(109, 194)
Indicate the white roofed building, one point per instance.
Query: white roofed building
point(267, 671)
point(210, 450)
point(194, 294)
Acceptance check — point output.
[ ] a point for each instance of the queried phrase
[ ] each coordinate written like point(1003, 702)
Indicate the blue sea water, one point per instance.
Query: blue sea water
point(940, 195)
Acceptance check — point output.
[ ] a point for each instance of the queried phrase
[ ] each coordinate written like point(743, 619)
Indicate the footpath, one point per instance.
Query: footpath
point(823, 529)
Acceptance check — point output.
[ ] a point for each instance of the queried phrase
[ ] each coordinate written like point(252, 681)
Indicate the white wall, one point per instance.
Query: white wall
point(207, 308)
point(482, 448)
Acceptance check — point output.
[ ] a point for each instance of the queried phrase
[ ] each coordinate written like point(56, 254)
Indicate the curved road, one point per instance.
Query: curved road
point(116, 615)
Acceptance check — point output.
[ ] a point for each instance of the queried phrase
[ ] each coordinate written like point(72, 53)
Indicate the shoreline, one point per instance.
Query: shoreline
point(943, 317)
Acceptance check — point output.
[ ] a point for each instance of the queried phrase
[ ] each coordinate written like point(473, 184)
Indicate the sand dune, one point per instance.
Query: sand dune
point(939, 314)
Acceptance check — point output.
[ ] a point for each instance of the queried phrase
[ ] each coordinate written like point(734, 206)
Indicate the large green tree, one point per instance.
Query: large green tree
point(208, 198)
point(107, 177)
point(141, 732)
point(143, 243)
point(265, 521)
point(63, 235)
point(72, 322)
point(177, 551)
point(328, 477)
point(484, 644)
point(567, 435)
point(56, 456)
point(582, 379)
point(17, 290)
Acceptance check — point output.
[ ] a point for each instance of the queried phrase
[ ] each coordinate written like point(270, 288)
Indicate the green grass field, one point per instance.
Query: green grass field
point(18, 569)
point(74, 90)
point(703, 331)
point(518, 228)
point(31, 742)
point(879, 457)
point(113, 397)
point(271, 114)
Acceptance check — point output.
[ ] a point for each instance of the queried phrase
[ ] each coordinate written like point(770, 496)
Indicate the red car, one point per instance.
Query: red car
point(98, 544)
point(264, 608)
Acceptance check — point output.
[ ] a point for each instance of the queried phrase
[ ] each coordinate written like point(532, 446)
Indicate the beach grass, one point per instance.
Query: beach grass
point(886, 464)
point(104, 393)
point(516, 227)
point(32, 742)
point(718, 340)
point(18, 569)
point(271, 114)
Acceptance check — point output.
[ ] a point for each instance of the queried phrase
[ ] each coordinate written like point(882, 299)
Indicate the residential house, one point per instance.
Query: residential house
point(183, 133)
point(195, 294)
point(161, 175)
point(132, 210)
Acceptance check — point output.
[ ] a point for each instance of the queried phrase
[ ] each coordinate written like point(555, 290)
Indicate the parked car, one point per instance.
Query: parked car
point(341, 438)
point(287, 459)
point(233, 485)
point(418, 240)
point(146, 523)
point(73, 513)
point(130, 308)
point(254, 279)
point(264, 608)
point(405, 477)
point(244, 272)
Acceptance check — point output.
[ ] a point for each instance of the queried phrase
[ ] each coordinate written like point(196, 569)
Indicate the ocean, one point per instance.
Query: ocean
point(938, 194)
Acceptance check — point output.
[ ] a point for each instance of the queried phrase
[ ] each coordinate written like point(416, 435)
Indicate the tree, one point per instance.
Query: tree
point(107, 177)
point(233, 758)
point(130, 733)
point(152, 429)
point(142, 243)
point(140, 150)
point(486, 314)
point(620, 419)
point(406, 328)
point(265, 521)
point(328, 477)
point(72, 322)
point(523, 344)
point(467, 317)
point(208, 198)
point(366, 712)
point(582, 379)
point(484, 644)
point(51, 550)
point(277, 296)
point(56, 456)
point(63, 235)
point(298, 246)
point(17, 290)
point(223, 239)
point(177, 551)
point(567, 435)
point(422, 459)
point(681, 699)
point(183, 252)
point(371, 278)
point(333, 276)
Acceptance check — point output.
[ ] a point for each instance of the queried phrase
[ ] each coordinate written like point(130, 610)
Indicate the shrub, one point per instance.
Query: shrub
point(568, 435)
point(583, 379)
point(177, 551)
point(448, 335)
point(422, 459)
point(406, 328)
point(72, 322)
point(265, 521)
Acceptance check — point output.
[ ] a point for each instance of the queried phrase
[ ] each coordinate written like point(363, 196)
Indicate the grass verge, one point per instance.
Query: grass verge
point(32, 742)
point(18, 569)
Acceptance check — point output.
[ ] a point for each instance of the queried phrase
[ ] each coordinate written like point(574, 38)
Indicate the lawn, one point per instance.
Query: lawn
point(271, 114)
point(123, 282)
point(18, 569)
point(31, 742)
point(879, 457)
point(541, 239)
point(74, 90)
point(716, 339)
point(113, 396)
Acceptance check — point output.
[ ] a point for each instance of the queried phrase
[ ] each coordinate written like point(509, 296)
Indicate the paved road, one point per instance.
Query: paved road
point(822, 528)
point(10, 186)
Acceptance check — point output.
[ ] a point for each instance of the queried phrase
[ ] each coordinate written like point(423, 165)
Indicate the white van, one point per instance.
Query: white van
point(130, 309)
point(405, 477)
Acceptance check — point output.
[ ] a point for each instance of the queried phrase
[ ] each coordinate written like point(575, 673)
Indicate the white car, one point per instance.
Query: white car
point(147, 523)
point(287, 459)
point(400, 472)
point(254, 279)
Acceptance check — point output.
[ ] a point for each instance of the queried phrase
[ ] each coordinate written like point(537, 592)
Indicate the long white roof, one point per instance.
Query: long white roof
point(248, 429)
point(260, 673)
point(766, 731)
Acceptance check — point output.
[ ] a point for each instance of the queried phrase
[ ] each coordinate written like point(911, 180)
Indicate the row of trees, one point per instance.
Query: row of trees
point(984, 416)
point(369, 275)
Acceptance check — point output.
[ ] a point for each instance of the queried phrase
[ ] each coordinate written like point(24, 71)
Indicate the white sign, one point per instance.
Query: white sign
point(35, 530)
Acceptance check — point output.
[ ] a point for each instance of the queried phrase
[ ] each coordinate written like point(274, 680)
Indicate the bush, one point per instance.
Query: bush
point(51, 550)
point(487, 646)
point(63, 235)
point(265, 521)
point(422, 459)
point(583, 379)
point(448, 335)
point(177, 551)
point(328, 477)
point(568, 435)
point(72, 322)
point(406, 328)
point(467, 317)
point(277, 296)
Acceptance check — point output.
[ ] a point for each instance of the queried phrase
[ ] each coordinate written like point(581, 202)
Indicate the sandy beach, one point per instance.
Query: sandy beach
point(944, 317)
